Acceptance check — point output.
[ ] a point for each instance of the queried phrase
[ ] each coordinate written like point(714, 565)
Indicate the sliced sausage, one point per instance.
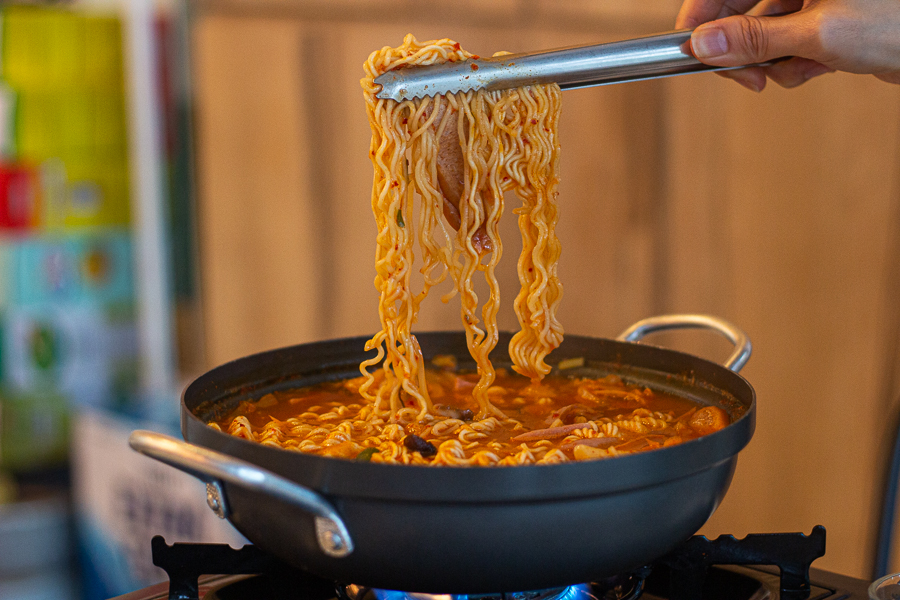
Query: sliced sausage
point(451, 174)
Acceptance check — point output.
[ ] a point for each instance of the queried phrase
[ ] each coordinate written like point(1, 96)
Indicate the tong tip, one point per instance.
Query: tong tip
point(428, 81)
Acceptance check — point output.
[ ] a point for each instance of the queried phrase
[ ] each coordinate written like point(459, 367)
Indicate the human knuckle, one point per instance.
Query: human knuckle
point(752, 38)
point(826, 35)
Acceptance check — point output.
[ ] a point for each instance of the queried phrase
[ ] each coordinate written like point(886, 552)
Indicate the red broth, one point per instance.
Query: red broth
point(557, 420)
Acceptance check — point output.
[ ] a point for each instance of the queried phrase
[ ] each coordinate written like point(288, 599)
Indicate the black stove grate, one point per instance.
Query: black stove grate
point(791, 553)
point(185, 563)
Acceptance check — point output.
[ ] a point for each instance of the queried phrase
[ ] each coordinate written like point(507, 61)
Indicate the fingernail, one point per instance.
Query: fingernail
point(709, 42)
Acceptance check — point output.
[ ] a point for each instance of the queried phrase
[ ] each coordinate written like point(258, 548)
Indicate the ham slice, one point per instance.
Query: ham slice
point(551, 433)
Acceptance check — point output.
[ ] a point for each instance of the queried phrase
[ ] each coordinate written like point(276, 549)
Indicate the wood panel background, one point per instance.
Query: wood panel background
point(778, 211)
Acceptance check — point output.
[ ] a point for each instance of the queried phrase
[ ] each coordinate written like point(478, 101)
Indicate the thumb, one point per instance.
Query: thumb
point(743, 39)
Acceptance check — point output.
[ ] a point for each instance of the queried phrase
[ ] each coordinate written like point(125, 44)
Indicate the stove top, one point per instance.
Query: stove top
point(723, 583)
point(757, 567)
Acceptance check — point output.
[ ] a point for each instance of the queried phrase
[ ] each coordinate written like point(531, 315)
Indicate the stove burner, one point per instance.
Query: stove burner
point(572, 592)
point(627, 586)
point(687, 568)
point(620, 587)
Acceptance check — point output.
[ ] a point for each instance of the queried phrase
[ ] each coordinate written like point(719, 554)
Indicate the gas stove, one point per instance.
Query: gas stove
point(757, 567)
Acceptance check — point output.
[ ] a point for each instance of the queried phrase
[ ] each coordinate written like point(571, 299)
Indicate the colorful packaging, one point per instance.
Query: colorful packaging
point(105, 266)
point(80, 123)
point(85, 269)
point(97, 194)
point(52, 48)
point(34, 430)
point(5, 275)
point(43, 48)
point(19, 197)
point(41, 271)
point(7, 122)
point(86, 354)
point(83, 194)
point(64, 72)
point(38, 122)
point(2, 353)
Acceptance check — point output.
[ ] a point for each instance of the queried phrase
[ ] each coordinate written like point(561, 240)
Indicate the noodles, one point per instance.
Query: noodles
point(547, 423)
point(508, 140)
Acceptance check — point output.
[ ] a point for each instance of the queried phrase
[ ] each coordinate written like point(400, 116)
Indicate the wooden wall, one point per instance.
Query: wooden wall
point(778, 211)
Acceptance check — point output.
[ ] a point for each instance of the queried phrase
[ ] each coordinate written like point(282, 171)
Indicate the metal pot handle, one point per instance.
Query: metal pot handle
point(214, 467)
point(735, 362)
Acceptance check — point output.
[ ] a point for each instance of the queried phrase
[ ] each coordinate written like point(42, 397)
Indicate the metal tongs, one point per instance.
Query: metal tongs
point(638, 59)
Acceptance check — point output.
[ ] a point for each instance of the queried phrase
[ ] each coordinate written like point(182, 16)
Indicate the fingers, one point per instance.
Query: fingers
point(889, 77)
point(775, 7)
point(787, 74)
point(857, 36)
point(695, 12)
point(743, 39)
point(796, 71)
point(752, 78)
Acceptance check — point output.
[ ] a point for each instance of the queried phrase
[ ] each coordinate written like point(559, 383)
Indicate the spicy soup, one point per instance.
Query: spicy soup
point(557, 420)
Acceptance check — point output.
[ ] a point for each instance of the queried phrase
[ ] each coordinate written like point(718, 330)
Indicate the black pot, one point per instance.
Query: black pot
point(465, 529)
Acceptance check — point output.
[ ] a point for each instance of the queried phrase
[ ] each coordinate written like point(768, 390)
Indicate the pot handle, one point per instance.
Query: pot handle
point(214, 467)
point(742, 346)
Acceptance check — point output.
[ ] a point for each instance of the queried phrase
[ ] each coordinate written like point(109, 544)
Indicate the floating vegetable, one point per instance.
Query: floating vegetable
point(366, 455)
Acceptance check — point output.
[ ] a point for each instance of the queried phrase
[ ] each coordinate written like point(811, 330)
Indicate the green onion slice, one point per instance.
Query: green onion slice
point(366, 455)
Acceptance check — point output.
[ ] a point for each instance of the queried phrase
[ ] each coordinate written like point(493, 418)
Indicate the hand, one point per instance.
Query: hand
point(857, 36)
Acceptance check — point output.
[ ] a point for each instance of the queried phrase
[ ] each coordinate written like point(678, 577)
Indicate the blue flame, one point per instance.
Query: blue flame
point(573, 592)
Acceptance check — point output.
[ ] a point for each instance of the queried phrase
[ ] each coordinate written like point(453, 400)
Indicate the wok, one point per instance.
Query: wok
point(465, 529)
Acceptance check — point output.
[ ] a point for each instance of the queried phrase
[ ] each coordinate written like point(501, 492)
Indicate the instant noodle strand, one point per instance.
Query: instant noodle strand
point(509, 142)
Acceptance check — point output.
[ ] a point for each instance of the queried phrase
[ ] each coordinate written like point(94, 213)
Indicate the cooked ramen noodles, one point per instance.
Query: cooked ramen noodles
point(458, 153)
point(556, 420)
